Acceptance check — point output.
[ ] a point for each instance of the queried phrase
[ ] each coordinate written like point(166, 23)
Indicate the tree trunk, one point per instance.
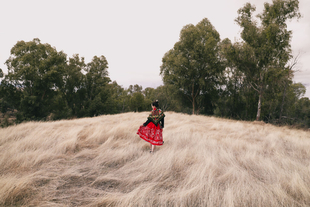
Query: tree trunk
point(259, 106)
point(283, 97)
point(193, 105)
point(193, 98)
point(43, 96)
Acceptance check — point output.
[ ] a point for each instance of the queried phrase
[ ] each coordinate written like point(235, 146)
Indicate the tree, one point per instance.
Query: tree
point(96, 84)
point(37, 70)
point(134, 88)
point(137, 102)
point(9, 96)
point(149, 94)
point(266, 48)
point(119, 98)
point(193, 64)
point(74, 88)
point(295, 109)
point(149, 97)
point(302, 112)
point(168, 98)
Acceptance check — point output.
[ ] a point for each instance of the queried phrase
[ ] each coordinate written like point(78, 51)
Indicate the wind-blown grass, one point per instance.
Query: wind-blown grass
point(205, 161)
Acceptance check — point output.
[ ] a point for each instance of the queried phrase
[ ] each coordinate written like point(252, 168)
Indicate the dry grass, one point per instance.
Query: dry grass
point(205, 161)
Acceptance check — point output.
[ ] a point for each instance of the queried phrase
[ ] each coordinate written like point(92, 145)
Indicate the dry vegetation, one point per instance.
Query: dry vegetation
point(205, 161)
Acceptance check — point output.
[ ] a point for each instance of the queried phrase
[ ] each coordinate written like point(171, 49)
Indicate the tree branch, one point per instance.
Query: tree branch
point(253, 87)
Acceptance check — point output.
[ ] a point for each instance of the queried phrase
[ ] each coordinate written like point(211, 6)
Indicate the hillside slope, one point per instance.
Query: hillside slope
point(205, 161)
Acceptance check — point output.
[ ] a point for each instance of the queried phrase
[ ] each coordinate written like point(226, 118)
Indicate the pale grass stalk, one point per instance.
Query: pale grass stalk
point(205, 161)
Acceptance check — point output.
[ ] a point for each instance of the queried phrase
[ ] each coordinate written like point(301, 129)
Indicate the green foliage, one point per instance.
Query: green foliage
point(74, 84)
point(169, 99)
point(9, 96)
point(119, 98)
point(193, 66)
point(5, 122)
point(266, 49)
point(278, 12)
point(36, 69)
point(41, 84)
point(96, 85)
point(302, 112)
point(137, 102)
point(296, 109)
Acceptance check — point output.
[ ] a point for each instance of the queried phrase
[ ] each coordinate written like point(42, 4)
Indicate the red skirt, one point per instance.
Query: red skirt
point(151, 133)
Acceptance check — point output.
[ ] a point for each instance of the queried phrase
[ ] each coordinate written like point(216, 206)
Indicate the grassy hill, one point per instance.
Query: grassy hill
point(205, 161)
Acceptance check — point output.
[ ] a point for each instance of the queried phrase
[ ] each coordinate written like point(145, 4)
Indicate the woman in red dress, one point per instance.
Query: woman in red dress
point(151, 131)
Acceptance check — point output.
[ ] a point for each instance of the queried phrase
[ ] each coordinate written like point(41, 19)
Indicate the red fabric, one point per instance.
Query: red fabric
point(151, 133)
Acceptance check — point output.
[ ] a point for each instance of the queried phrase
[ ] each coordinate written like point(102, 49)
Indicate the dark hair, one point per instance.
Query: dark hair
point(155, 103)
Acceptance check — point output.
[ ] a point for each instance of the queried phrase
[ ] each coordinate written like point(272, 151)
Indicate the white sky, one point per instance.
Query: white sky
point(133, 35)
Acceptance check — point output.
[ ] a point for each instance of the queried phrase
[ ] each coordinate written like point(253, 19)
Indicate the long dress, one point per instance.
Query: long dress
point(152, 130)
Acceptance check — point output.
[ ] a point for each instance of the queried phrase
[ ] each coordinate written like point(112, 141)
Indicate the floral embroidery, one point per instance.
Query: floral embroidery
point(156, 116)
point(152, 132)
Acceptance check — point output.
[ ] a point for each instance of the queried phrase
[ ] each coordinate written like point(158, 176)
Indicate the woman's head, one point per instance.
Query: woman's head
point(155, 103)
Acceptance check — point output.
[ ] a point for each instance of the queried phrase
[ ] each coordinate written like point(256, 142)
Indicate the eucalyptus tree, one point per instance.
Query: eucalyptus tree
point(134, 89)
point(167, 97)
point(74, 88)
point(193, 65)
point(96, 85)
point(37, 70)
point(265, 50)
point(302, 112)
point(149, 97)
point(136, 102)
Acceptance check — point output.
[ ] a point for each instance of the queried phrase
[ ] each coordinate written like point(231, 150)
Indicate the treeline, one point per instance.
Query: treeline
point(202, 74)
point(42, 84)
point(250, 79)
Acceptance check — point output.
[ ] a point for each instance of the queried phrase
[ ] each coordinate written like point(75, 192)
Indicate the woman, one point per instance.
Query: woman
point(151, 130)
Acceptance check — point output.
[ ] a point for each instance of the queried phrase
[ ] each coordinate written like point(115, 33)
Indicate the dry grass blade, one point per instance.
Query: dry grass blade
point(205, 161)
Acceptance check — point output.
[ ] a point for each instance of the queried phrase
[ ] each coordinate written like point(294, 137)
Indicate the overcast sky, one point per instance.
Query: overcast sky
point(133, 35)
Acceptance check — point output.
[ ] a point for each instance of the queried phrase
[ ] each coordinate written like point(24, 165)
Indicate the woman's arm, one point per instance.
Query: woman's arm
point(146, 123)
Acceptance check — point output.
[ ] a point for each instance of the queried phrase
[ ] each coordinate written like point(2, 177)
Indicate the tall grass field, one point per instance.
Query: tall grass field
point(205, 161)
